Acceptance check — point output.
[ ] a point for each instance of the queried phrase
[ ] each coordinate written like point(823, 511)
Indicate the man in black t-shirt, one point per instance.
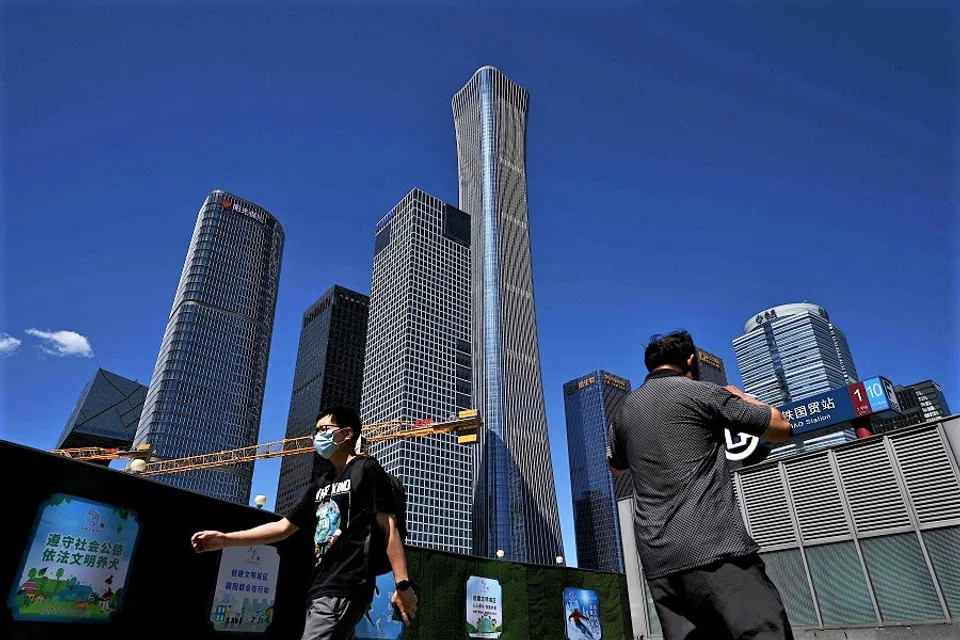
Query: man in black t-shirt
point(350, 511)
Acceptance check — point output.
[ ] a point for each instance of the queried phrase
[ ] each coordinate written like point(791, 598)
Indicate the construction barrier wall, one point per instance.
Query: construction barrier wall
point(159, 587)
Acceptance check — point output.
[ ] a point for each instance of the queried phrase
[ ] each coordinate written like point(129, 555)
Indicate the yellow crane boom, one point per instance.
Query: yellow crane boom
point(465, 425)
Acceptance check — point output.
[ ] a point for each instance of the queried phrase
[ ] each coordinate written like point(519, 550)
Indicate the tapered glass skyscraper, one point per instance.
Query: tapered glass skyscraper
point(206, 393)
point(515, 503)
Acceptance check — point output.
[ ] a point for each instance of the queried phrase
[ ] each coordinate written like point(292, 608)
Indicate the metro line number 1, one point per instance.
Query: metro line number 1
point(875, 390)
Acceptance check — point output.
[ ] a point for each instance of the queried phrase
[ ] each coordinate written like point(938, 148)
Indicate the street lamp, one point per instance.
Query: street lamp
point(560, 560)
point(500, 553)
point(137, 465)
point(260, 501)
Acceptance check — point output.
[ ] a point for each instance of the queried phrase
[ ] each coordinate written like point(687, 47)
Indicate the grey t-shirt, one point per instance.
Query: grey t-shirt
point(669, 434)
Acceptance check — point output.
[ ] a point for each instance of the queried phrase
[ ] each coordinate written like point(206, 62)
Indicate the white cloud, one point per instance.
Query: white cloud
point(63, 343)
point(8, 344)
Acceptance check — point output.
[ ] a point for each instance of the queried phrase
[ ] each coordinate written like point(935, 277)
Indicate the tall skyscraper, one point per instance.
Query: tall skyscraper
point(106, 413)
point(206, 394)
point(919, 402)
point(711, 368)
point(591, 402)
point(515, 505)
point(418, 362)
point(333, 338)
point(791, 352)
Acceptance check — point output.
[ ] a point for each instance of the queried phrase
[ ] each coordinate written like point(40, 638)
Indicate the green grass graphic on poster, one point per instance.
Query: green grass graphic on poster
point(75, 567)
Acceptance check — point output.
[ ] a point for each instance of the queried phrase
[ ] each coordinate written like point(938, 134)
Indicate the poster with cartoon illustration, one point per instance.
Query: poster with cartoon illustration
point(378, 622)
point(582, 610)
point(484, 608)
point(76, 565)
point(246, 585)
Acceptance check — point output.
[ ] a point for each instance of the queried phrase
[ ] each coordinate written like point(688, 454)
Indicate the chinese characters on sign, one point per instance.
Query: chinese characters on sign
point(484, 608)
point(873, 396)
point(76, 566)
point(246, 584)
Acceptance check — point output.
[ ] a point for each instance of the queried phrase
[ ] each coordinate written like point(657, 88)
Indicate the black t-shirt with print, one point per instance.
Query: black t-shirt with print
point(340, 510)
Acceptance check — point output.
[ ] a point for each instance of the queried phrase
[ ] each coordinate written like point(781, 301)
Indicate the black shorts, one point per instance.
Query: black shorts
point(725, 600)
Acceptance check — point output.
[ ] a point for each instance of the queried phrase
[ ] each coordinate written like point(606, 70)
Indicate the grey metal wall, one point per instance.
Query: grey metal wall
point(864, 534)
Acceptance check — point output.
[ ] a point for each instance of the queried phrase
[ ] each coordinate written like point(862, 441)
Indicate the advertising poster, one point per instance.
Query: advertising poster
point(246, 584)
point(378, 622)
point(484, 608)
point(582, 610)
point(76, 565)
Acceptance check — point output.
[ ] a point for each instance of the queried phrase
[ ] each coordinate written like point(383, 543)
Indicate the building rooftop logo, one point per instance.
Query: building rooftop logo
point(226, 204)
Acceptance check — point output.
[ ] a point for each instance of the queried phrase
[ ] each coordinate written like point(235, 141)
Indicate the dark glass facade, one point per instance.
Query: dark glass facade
point(712, 368)
point(106, 414)
point(329, 373)
point(206, 393)
point(515, 502)
point(591, 402)
point(920, 402)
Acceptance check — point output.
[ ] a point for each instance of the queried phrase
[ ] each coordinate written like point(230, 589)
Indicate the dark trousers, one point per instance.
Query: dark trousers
point(728, 600)
point(334, 617)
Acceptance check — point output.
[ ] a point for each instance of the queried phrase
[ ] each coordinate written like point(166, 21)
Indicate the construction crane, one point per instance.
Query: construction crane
point(465, 425)
point(89, 454)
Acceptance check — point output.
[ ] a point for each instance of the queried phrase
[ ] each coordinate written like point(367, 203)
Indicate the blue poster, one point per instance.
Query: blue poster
point(582, 611)
point(76, 565)
point(378, 622)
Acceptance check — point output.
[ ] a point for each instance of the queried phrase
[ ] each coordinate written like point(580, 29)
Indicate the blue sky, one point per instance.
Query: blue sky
point(687, 168)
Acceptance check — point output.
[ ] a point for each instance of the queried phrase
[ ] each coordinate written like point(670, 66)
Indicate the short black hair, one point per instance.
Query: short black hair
point(343, 417)
point(674, 348)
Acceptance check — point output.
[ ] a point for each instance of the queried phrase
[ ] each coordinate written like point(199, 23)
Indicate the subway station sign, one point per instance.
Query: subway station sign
point(873, 397)
point(831, 408)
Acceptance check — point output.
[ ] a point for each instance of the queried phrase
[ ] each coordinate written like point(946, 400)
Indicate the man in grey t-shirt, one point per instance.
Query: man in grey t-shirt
point(701, 564)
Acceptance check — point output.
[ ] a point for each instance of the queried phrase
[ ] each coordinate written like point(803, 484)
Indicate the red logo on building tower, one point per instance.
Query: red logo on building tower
point(226, 204)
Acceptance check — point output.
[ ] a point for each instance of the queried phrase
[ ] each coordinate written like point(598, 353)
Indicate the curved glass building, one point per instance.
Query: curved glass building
point(793, 351)
point(515, 502)
point(206, 393)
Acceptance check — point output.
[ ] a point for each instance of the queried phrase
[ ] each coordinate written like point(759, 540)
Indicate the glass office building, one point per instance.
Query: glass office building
point(106, 413)
point(712, 368)
point(793, 351)
point(206, 393)
point(515, 507)
point(591, 402)
point(419, 362)
point(333, 338)
point(920, 402)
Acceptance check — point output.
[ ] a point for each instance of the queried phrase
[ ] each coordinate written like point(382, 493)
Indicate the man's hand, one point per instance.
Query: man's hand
point(735, 391)
point(209, 541)
point(406, 602)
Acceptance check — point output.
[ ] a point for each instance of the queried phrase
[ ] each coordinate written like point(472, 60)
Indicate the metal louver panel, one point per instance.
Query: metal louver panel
point(766, 507)
point(871, 487)
point(929, 476)
point(816, 498)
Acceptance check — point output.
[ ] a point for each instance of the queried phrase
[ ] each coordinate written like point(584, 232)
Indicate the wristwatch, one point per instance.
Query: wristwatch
point(403, 585)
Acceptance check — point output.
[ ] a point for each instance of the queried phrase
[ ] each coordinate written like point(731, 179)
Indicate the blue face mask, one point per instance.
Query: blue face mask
point(325, 444)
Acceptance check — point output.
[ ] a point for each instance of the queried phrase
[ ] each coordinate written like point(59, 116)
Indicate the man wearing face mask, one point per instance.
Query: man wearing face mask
point(702, 567)
point(343, 508)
